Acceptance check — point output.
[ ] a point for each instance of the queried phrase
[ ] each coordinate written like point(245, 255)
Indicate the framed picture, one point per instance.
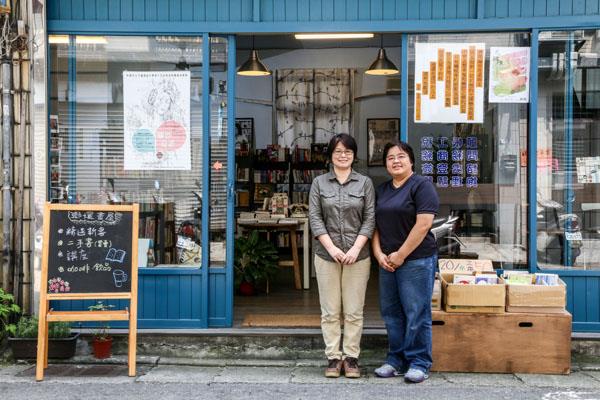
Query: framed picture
point(380, 131)
point(244, 136)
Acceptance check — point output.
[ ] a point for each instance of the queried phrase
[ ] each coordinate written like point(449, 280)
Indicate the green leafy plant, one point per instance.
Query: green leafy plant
point(255, 259)
point(27, 327)
point(101, 334)
point(8, 308)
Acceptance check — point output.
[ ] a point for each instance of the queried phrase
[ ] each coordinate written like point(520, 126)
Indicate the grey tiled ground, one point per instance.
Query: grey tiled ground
point(255, 375)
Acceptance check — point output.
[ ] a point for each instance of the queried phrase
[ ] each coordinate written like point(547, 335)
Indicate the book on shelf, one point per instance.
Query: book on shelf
point(319, 152)
point(262, 215)
point(262, 191)
point(243, 174)
point(243, 198)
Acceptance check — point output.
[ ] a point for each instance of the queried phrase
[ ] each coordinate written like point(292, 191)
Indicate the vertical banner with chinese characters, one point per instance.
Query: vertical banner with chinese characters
point(449, 82)
point(450, 162)
point(156, 126)
point(509, 75)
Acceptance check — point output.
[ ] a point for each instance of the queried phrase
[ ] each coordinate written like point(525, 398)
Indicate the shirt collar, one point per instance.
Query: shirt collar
point(353, 175)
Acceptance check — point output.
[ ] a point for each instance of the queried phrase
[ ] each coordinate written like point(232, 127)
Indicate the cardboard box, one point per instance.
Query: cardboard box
point(536, 298)
point(472, 298)
point(436, 299)
point(452, 265)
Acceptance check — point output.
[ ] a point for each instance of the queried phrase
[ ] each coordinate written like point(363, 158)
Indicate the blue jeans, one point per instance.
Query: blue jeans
point(405, 301)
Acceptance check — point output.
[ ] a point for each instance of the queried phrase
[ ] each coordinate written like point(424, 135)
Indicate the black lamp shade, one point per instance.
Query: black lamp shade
point(382, 65)
point(253, 66)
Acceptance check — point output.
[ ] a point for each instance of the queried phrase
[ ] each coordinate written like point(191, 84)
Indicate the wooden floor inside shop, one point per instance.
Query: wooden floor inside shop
point(286, 307)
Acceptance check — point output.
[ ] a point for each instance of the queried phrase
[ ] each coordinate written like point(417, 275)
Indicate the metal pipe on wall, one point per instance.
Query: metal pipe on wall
point(7, 132)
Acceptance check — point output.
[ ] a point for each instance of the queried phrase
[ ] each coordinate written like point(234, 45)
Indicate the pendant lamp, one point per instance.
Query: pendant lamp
point(382, 65)
point(253, 66)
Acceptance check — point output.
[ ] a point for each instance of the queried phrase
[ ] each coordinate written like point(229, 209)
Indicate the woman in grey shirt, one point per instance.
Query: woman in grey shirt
point(342, 220)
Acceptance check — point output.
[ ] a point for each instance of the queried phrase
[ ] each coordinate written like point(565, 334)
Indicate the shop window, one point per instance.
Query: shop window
point(470, 144)
point(126, 127)
point(568, 150)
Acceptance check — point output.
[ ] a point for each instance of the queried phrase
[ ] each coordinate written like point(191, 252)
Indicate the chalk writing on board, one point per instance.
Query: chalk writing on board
point(115, 255)
point(99, 218)
point(91, 250)
point(119, 277)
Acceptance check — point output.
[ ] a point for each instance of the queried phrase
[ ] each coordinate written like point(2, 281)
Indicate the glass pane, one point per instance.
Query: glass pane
point(154, 156)
point(477, 169)
point(218, 151)
point(568, 152)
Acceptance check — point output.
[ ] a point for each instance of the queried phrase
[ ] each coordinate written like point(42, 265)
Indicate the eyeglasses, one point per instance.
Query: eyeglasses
point(339, 153)
point(399, 157)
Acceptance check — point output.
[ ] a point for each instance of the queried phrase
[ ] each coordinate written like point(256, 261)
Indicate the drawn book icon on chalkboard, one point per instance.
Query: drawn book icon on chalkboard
point(115, 255)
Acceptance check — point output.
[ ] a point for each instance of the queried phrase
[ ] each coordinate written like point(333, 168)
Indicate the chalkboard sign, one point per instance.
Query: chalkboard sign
point(90, 251)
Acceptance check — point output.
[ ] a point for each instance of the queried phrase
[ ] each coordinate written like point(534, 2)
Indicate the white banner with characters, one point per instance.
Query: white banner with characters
point(156, 108)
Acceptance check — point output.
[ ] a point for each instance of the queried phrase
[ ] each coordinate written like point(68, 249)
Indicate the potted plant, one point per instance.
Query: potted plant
point(8, 309)
point(61, 342)
point(255, 262)
point(102, 341)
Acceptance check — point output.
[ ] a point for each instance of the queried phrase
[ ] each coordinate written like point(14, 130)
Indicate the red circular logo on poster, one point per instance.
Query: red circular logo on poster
point(170, 136)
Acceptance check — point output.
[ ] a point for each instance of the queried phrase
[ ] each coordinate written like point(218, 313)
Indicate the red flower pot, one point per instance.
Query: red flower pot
point(246, 289)
point(102, 348)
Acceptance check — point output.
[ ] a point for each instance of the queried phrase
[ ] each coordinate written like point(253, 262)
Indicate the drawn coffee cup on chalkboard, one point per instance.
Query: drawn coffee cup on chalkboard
point(119, 277)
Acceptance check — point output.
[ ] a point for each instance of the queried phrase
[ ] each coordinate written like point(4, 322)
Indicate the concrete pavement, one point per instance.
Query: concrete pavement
point(172, 378)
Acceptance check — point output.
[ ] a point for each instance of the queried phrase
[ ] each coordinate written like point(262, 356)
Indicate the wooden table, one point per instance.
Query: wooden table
point(290, 227)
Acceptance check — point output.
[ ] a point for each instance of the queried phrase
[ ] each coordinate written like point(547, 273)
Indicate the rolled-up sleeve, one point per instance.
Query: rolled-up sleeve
point(368, 221)
point(315, 212)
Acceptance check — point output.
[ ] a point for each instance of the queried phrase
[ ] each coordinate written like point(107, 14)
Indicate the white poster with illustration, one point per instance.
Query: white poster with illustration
point(509, 75)
point(156, 108)
point(449, 82)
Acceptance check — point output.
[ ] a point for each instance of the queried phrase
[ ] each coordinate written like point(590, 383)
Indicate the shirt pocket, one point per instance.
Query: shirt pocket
point(356, 200)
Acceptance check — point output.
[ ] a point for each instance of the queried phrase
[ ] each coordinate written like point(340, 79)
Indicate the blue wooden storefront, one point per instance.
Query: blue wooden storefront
point(203, 297)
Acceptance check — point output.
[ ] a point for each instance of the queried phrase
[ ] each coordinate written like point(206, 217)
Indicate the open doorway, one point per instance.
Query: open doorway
point(284, 121)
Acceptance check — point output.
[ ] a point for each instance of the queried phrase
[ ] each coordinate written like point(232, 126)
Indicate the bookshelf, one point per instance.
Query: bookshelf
point(276, 170)
point(56, 149)
point(157, 222)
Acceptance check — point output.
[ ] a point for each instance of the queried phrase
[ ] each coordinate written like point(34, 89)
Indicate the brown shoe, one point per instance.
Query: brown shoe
point(334, 368)
point(351, 368)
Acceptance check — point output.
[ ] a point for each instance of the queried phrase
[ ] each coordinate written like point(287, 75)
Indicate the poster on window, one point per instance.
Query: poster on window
point(509, 75)
point(449, 82)
point(156, 108)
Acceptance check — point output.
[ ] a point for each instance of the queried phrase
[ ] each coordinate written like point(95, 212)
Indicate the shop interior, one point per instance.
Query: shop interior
point(316, 88)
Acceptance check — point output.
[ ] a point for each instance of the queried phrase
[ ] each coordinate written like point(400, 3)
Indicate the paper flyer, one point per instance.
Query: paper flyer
point(509, 75)
point(156, 108)
point(449, 82)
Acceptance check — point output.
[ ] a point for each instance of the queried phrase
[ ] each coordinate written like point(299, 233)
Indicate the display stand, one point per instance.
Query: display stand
point(89, 252)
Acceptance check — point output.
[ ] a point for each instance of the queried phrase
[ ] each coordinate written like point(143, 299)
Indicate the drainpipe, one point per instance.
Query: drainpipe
point(7, 127)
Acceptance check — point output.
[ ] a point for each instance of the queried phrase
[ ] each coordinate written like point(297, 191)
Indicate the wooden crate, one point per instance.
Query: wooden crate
point(504, 343)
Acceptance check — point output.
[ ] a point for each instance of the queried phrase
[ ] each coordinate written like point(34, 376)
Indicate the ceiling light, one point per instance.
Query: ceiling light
point(58, 39)
point(317, 36)
point(253, 66)
point(382, 65)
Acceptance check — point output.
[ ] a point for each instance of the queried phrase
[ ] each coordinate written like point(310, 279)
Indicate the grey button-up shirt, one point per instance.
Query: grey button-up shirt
point(342, 211)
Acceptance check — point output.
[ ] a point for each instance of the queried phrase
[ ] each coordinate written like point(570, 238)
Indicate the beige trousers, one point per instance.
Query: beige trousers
point(342, 288)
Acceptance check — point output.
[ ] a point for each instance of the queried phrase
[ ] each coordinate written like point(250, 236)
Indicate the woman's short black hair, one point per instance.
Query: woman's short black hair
point(343, 138)
point(405, 147)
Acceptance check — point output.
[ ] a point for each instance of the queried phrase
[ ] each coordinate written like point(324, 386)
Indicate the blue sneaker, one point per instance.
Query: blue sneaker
point(415, 375)
point(387, 371)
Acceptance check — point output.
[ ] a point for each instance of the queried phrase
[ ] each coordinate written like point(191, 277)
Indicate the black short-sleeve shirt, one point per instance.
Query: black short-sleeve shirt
point(396, 212)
